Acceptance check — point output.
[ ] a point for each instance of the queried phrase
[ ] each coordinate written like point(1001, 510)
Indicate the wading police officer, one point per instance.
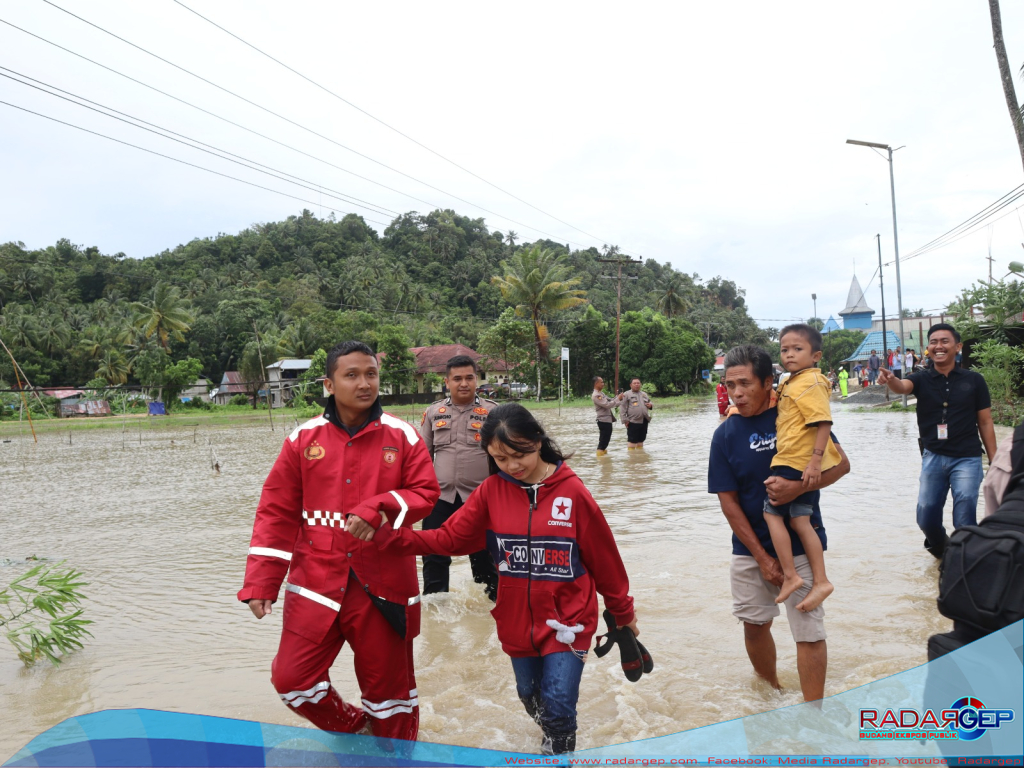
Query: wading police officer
point(451, 431)
point(636, 414)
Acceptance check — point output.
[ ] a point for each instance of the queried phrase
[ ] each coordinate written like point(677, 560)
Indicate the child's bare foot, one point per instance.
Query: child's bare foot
point(816, 596)
point(789, 586)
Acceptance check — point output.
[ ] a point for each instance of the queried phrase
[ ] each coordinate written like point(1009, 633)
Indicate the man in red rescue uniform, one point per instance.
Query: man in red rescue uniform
point(343, 479)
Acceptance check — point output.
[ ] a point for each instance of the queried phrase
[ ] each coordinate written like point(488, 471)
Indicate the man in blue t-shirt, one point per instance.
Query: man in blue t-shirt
point(739, 471)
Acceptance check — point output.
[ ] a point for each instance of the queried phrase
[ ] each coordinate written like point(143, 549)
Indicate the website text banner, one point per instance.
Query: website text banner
point(964, 707)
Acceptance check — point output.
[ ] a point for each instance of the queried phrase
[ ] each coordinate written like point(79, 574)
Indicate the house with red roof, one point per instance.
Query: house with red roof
point(230, 385)
point(433, 360)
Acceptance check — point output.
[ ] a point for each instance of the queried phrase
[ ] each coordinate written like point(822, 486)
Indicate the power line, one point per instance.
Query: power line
point(293, 122)
point(220, 117)
point(970, 225)
point(270, 171)
point(387, 125)
point(175, 159)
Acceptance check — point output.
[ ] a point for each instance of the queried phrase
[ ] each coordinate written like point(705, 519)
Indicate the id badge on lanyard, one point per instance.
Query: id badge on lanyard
point(943, 431)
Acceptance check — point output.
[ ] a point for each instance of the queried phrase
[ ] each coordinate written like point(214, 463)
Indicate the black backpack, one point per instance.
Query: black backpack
point(981, 577)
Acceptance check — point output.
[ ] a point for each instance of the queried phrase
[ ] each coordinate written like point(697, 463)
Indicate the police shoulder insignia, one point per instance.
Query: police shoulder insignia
point(442, 409)
point(314, 451)
point(424, 418)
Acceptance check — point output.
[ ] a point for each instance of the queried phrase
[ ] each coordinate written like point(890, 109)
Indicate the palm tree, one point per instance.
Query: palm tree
point(164, 314)
point(114, 368)
point(54, 334)
point(511, 237)
point(537, 284)
point(1016, 110)
point(19, 327)
point(672, 296)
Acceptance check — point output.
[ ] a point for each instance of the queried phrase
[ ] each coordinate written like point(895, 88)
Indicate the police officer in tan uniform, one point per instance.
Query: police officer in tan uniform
point(636, 414)
point(603, 405)
point(451, 431)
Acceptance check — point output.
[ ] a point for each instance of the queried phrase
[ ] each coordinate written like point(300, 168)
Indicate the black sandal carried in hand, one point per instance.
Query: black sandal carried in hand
point(634, 663)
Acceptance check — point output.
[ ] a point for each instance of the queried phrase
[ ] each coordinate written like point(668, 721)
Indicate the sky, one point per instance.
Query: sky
point(707, 135)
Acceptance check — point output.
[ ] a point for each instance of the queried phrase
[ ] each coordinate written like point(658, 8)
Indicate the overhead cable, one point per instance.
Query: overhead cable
point(225, 155)
point(387, 125)
point(177, 160)
point(297, 124)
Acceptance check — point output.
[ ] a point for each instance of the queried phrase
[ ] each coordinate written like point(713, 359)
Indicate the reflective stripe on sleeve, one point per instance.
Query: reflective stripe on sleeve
point(413, 601)
point(403, 507)
point(311, 595)
point(269, 552)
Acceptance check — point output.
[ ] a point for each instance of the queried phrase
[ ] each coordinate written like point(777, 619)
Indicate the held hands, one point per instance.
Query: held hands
point(782, 491)
point(359, 528)
point(260, 608)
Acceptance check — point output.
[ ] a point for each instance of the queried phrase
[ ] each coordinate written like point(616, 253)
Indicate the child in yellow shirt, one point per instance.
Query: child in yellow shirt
point(804, 451)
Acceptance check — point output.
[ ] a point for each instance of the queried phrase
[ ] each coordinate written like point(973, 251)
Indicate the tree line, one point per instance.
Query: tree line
point(72, 315)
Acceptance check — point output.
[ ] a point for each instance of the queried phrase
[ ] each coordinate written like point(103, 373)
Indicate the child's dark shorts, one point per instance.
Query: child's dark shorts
point(801, 506)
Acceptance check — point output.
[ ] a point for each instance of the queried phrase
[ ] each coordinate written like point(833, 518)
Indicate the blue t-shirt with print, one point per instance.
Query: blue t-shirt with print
point(741, 460)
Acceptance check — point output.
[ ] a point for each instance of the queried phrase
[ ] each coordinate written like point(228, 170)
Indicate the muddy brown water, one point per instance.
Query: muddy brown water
point(162, 540)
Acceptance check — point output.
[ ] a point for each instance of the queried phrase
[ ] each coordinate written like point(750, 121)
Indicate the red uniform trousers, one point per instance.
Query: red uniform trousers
point(384, 669)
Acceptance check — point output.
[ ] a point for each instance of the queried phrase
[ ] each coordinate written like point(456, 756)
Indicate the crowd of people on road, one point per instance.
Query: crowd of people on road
point(337, 510)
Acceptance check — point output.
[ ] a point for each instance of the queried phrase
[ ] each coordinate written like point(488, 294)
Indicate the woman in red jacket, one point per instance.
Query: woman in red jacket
point(554, 551)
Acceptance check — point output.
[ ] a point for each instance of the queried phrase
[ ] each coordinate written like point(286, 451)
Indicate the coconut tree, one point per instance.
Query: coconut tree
point(114, 367)
point(537, 284)
point(163, 314)
point(673, 296)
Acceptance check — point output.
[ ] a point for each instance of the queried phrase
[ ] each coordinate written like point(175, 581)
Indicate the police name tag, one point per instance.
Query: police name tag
point(943, 431)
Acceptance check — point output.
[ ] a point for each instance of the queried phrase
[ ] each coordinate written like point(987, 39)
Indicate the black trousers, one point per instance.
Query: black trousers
point(435, 567)
point(636, 433)
point(605, 430)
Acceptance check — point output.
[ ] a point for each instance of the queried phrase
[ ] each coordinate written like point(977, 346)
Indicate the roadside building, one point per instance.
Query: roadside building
point(282, 379)
point(230, 385)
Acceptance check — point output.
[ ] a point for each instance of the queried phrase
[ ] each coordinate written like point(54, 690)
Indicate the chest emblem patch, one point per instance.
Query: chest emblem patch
point(477, 437)
point(476, 424)
point(314, 451)
point(389, 456)
point(441, 423)
point(480, 411)
point(442, 409)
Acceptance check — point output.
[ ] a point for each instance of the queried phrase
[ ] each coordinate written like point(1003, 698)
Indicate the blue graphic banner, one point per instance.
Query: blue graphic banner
point(964, 708)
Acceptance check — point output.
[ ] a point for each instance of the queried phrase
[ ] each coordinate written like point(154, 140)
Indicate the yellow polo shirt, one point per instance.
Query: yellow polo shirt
point(803, 404)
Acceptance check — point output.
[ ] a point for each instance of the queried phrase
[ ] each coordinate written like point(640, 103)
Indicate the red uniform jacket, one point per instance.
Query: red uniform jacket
point(321, 476)
point(552, 557)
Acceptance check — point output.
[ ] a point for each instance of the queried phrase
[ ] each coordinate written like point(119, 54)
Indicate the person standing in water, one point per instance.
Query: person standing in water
point(346, 477)
point(604, 405)
point(636, 414)
point(554, 551)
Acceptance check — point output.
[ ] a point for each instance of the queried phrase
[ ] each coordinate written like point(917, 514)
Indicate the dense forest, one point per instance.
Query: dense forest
point(74, 316)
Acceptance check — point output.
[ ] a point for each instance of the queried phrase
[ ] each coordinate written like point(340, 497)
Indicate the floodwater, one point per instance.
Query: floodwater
point(162, 541)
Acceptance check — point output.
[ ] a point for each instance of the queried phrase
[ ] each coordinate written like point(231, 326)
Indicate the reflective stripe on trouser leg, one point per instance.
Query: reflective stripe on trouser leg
point(384, 668)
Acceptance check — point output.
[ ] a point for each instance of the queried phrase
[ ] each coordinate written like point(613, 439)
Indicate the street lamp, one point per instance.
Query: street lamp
point(895, 240)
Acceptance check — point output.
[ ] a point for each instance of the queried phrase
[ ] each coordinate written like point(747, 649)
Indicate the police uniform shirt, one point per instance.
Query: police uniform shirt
point(953, 400)
point(452, 435)
point(603, 405)
point(634, 407)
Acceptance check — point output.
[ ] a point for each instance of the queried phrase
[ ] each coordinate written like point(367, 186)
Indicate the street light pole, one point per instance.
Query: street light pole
point(895, 239)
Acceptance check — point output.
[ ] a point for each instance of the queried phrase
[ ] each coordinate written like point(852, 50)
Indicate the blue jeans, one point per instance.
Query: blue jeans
point(939, 474)
point(549, 687)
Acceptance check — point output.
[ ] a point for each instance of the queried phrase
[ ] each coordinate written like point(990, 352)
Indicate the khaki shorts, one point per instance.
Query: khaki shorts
point(753, 599)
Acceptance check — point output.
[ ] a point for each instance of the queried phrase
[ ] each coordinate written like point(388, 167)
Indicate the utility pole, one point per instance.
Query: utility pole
point(881, 288)
point(270, 403)
point(618, 305)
